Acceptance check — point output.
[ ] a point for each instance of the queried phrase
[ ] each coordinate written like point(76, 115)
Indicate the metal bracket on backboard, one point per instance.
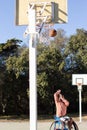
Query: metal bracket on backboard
point(41, 8)
point(41, 19)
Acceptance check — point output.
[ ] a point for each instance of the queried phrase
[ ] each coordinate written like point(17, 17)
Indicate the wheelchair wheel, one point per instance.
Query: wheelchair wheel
point(74, 126)
point(59, 125)
point(56, 125)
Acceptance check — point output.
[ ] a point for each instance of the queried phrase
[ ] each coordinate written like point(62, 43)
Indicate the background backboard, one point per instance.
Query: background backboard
point(60, 11)
point(79, 78)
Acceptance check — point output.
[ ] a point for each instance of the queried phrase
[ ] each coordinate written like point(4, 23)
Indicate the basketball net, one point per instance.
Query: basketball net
point(44, 34)
point(79, 85)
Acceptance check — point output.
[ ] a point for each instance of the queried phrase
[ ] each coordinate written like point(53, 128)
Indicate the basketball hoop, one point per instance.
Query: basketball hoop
point(79, 86)
point(79, 80)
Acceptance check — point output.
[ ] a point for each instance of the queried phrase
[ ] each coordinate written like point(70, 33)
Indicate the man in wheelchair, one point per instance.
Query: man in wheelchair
point(61, 104)
point(61, 110)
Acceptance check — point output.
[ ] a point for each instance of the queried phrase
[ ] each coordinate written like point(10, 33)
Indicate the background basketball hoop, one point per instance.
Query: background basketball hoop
point(79, 86)
point(79, 80)
point(79, 83)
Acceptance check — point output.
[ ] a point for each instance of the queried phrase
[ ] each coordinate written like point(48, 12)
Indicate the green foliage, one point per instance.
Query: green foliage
point(10, 46)
point(50, 66)
point(14, 98)
point(18, 64)
point(76, 49)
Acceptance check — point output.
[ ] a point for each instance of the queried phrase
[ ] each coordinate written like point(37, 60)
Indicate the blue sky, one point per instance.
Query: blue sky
point(77, 18)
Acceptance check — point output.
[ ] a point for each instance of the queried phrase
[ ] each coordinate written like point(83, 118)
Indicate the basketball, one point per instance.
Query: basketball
point(52, 33)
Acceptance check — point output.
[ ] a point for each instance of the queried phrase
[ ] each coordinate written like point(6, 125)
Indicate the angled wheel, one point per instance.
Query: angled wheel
point(74, 126)
point(56, 125)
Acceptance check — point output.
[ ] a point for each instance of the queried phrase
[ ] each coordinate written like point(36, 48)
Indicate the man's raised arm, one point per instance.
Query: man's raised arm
point(56, 95)
point(64, 100)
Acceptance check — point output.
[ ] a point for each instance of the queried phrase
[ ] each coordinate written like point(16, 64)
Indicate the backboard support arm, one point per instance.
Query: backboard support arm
point(39, 15)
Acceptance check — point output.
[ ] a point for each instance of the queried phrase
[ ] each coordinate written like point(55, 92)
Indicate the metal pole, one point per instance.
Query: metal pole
point(80, 106)
point(32, 70)
point(80, 103)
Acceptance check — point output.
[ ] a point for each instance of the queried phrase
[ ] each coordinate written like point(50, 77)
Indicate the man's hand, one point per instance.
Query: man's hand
point(58, 91)
point(61, 97)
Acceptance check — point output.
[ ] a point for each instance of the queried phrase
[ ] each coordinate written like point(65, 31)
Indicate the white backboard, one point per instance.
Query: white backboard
point(60, 11)
point(79, 78)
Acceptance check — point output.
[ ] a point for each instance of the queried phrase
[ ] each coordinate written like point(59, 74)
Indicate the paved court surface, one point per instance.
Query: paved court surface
point(14, 125)
point(41, 125)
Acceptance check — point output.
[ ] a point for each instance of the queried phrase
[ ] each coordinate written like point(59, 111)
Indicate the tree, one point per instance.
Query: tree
point(18, 68)
point(10, 47)
point(14, 98)
point(76, 51)
point(18, 64)
point(76, 56)
point(49, 75)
